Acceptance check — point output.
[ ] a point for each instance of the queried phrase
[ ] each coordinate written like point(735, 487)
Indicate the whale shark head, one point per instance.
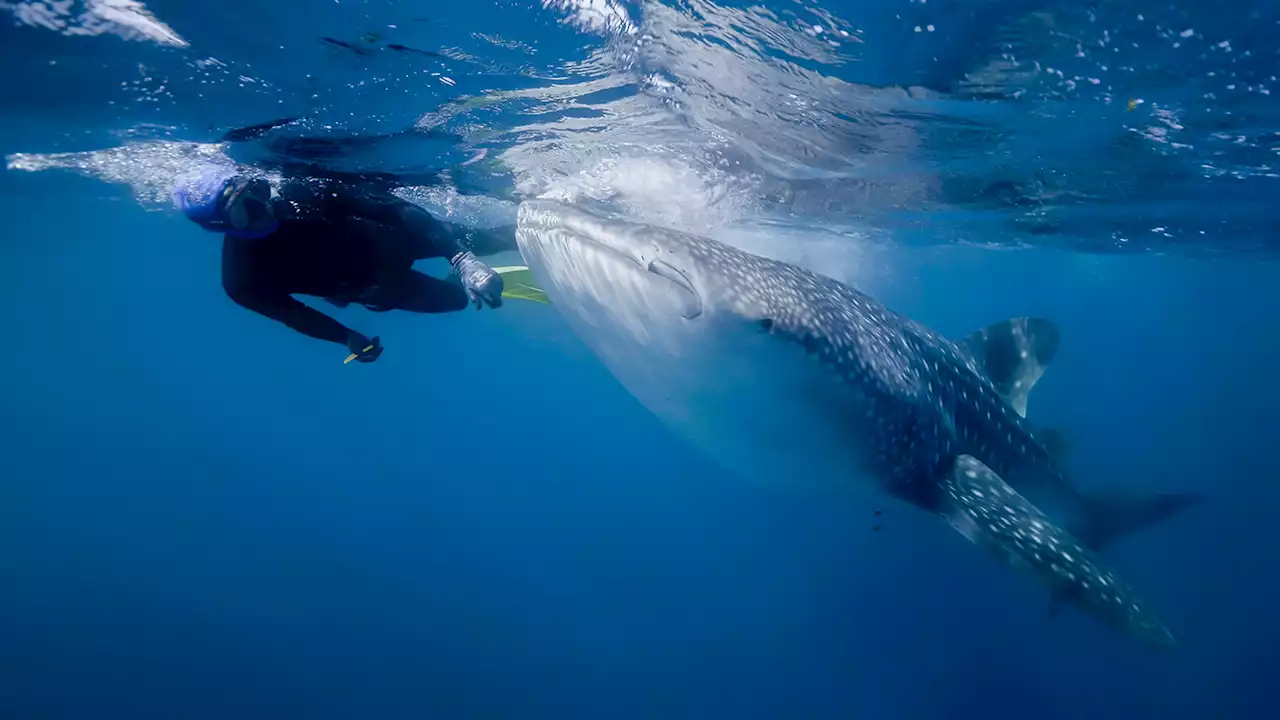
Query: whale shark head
point(687, 326)
point(646, 278)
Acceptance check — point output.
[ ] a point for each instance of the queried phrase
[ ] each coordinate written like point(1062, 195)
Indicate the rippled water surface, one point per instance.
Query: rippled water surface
point(1096, 126)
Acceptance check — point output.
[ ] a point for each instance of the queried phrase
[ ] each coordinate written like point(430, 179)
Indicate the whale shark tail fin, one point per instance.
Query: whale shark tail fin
point(1013, 355)
point(1114, 513)
point(1056, 443)
point(986, 510)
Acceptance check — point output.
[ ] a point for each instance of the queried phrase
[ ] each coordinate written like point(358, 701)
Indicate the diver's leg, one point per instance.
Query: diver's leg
point(416, 292)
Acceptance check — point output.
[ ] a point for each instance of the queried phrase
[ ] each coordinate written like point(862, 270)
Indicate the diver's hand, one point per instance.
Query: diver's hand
point(362, 348)
point(480, 281)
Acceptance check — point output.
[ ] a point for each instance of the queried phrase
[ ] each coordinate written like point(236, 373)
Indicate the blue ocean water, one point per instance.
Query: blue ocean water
point(208, 516)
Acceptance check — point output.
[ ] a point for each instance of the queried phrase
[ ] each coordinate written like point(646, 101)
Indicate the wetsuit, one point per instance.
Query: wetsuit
point(347, 243)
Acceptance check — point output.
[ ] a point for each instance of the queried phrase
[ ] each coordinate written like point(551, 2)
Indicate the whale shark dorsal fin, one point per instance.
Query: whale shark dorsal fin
point(1013, 355)
point(985, 509)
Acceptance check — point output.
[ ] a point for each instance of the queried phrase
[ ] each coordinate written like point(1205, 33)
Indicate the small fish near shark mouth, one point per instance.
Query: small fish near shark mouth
point(784, 375)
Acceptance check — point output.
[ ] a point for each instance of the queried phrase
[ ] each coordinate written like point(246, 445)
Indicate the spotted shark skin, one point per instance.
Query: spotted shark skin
point(983, 508)
point(787, 376)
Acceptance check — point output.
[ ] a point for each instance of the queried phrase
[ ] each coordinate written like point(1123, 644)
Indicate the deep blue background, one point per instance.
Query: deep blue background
point(205, 516)
point(202, 516)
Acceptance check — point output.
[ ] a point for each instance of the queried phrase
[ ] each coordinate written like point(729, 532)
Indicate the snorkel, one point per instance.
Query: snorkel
point(219, 197)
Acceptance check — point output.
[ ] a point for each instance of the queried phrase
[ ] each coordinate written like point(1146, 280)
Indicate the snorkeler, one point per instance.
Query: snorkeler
point(339, 240)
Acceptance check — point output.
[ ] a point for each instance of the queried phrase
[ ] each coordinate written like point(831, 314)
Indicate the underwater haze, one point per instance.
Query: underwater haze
point(207, 515)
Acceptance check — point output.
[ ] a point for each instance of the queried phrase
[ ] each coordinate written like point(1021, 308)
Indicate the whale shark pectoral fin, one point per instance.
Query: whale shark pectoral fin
point(1013, 354)
point(986, 510)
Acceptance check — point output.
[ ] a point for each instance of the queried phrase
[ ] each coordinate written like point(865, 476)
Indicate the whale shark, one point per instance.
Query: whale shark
point(790, 378)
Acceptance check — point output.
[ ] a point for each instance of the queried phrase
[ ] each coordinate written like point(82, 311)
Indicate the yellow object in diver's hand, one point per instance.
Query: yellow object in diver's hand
point(353, 356)
point(519, 284)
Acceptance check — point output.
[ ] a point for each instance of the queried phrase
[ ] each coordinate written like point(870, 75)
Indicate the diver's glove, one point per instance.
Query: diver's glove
point(480, 281)
point(362, 348)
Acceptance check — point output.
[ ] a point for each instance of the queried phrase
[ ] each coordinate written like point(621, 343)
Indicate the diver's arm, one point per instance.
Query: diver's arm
point(489, 241)
point(446, 239)
point(286, 309)
point(449, 239)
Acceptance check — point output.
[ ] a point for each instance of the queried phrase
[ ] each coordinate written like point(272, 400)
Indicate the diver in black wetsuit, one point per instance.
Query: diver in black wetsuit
point(342, 241)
